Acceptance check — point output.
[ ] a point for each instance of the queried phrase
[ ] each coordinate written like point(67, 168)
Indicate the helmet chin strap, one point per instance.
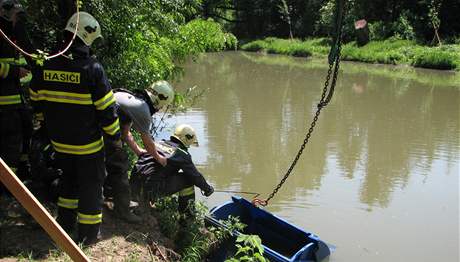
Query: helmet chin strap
point(155, 110)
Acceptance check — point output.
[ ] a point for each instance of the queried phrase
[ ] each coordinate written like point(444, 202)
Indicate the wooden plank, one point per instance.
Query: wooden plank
point(39, 213)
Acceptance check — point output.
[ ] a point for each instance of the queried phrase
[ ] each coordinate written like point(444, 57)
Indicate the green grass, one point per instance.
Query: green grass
point(391, 51)
point(447, 79)
point(280, 46)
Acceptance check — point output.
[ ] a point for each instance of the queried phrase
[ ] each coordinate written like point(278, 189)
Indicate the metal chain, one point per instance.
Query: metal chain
point(332, 71)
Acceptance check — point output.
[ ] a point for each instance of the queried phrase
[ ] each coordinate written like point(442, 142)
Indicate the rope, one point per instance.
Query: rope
point(238, 192)
point(326, 96)
point(41, 55)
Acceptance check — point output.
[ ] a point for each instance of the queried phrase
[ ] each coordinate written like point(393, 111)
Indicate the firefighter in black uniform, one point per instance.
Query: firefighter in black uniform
point(178, 176)
point(15, 118)
point(78, 106)
point(135, 109)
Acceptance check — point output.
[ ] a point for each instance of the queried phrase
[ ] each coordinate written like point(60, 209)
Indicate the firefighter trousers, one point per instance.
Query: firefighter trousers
point(161, 185)
point(80, 197)
point(117, 165)
point(15, 131)
point(12, 132)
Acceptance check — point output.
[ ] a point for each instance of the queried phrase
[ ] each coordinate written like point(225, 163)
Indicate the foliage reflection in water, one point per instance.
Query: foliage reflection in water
point(385, 151)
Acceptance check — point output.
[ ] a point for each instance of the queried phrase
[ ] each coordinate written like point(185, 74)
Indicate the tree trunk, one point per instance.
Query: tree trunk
point(437, 36)
point(66, 9)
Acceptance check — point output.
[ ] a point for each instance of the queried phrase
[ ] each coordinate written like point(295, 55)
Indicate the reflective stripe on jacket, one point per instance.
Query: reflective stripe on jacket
point(180, 161)
point(9, 80)
point(10, 62)
point(77, 103)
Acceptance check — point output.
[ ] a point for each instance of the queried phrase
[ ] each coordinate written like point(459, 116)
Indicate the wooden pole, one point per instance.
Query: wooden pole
point(39, 213)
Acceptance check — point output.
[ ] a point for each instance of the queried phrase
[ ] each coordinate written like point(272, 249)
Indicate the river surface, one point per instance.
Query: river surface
point(379, 178)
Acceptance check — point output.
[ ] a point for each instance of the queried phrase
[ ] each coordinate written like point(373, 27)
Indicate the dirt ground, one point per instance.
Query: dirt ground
point(22, 239)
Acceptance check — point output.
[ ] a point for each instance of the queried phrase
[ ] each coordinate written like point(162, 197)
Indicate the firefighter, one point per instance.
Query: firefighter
point(74, 96)
point(135, 110)
point(178, 176)
point(15, 118)
point(45, 175)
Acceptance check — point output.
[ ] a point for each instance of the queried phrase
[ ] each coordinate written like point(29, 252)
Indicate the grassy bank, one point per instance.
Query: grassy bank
point(391, 51)
point(448, 79)
point(161, 237)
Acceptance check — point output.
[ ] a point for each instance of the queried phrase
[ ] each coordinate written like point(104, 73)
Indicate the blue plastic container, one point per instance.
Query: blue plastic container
point(281, 240)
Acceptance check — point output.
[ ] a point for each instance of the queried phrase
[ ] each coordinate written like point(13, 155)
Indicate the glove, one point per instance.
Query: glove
point(208, 191)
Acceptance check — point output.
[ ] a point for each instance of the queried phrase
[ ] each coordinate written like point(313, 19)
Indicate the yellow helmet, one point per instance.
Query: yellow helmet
point(88, 27)
point(9, 9)
point(161, 94)
point(186, 134)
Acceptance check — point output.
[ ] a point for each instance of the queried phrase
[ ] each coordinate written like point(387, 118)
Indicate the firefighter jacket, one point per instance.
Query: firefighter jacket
point(179, 161)
point(10, 88)
point(74, 96)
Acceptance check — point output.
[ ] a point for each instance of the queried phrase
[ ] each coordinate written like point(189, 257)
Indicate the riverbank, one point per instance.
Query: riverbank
point(421, 76)
point(22, 239)
point(159, 238)
point(391, 51)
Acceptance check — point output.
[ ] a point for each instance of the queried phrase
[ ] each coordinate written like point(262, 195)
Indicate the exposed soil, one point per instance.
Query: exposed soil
point(22, 238)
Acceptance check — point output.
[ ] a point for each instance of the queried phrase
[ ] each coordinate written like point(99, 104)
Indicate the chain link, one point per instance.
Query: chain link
point(332, 71)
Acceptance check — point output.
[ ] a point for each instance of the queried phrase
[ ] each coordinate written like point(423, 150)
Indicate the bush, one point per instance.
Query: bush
point(378, 30)
point(436, 59)
point(143, 39)
point(279, 46)
point(300, 52)
point(402, 28)
point(255, 46)
point(204, 36)
point(391, 51)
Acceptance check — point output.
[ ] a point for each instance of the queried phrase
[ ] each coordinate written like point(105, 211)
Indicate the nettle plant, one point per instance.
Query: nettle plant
point(249, 249)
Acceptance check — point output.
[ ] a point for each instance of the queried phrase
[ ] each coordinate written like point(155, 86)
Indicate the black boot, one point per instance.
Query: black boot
point(23, 170)
point(89, 234)
point(67, 219)
point(122, 211)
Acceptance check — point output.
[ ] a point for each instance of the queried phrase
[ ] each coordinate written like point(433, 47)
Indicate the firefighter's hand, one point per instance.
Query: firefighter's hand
point(162, 160)
point(141, 152)
point(208, 191)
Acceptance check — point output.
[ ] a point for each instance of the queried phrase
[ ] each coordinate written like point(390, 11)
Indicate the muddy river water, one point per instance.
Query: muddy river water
point(379, 178)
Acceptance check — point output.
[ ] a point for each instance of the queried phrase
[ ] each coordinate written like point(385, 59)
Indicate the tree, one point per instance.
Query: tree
point(142, 38)
point(286, 15)
point(434, 6)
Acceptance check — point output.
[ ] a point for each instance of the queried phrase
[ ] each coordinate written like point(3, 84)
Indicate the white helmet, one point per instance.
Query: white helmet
point(161, 94)
point(88, 28)
point(9, 9)
point(186, 134)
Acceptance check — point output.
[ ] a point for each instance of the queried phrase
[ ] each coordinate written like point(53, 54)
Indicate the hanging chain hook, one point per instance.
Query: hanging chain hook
point(334, 65)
